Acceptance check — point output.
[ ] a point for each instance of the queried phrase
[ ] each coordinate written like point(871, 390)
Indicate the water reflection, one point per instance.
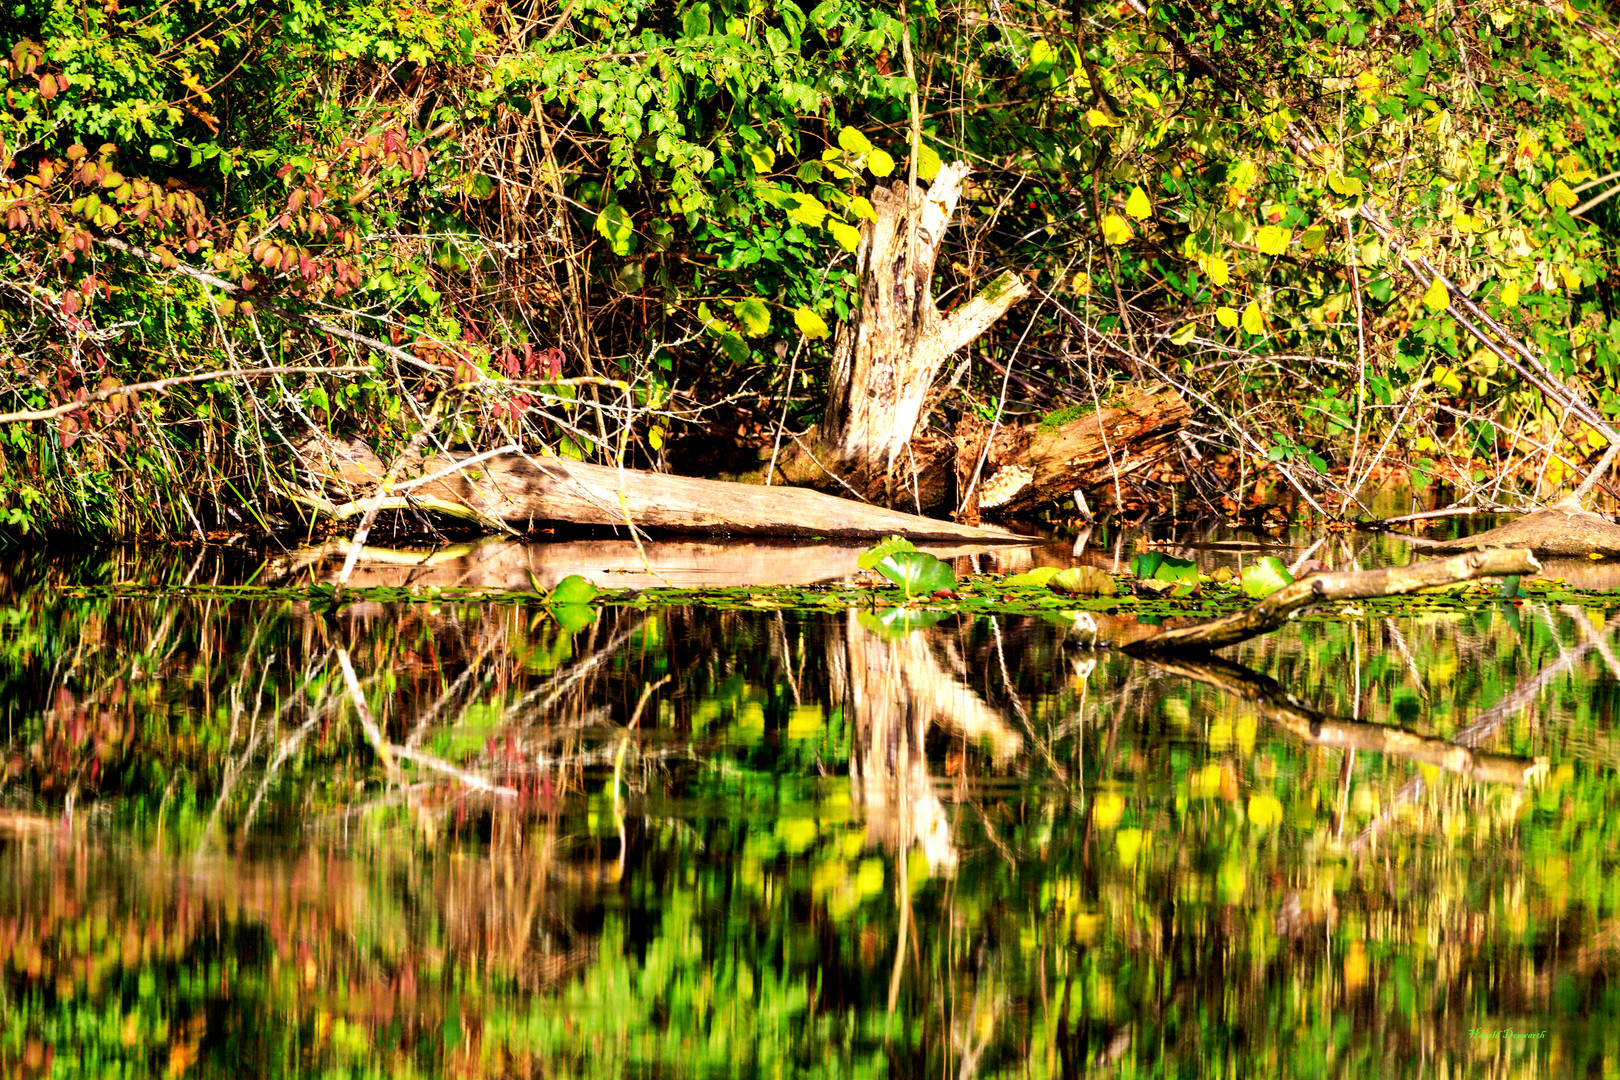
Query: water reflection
point(689, 842)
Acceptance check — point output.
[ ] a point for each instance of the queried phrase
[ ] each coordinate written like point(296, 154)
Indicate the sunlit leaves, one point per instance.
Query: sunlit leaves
point(1265, 811)
point(1436, 297)
point(753, 315)
point(1137, 205)
point(853, 141)
point(1184, 333)
point(1272, 239)
point(1558, 194)
point(1083, 581)
point(1107, 809)
point(613, 224)
point(1265, 577)
point(1098, 119)
point(810, 324)
point(880, 163)
point(1226, 317)
point(847, 235)
point(928, 162)
point(1115, 229)
point(1254, 321)
point(1216, 268)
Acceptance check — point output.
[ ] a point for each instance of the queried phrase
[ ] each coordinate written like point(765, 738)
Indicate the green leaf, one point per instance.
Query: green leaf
point(917, 573)
point(880, 163)
point(1137, 205)
point(736, 349)
point(810, 324)
point(1345, 185)
point(1265, 577)
point(573, 617)
point(894, 623)
point(847, 235)
point(1157, 566)
point(1436, 298)
point(573, 589)
point(1559, 194)
point(1083, 581)
point(1272, 239)
point(1115, 229)
point(881, 550)
point(754, 316)
point(854, 142)
point(614, 226)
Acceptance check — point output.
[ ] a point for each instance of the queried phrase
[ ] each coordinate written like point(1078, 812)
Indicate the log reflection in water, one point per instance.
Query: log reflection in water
point(1283, 709)
point(520, 566)
point(896, 691)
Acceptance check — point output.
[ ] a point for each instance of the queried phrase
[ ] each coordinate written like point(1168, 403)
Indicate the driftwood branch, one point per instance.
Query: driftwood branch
point(1307, 592)
point(1282, 709)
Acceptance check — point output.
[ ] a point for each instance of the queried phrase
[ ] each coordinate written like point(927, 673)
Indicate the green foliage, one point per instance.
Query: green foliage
point(1265, 577)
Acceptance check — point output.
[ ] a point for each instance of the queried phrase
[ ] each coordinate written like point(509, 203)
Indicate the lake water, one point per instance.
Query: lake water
point(700, 841)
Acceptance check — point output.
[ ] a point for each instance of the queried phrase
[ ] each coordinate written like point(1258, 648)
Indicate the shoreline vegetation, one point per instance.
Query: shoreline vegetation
point(1011, 266)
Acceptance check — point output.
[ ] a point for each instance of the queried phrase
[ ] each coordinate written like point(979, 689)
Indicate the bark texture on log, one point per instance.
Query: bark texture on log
point(885, 361)
point(521, 491)
point(1309, 591)
point(1033, 466)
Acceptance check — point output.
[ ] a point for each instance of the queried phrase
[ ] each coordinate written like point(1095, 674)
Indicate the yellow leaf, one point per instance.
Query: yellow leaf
point(1081, 283)
point(1107, 808)
point(1510, 294)
point(1272, 239)
point(1129, 844)
point(1559, 194)
point(1226, 316)
point(880, 163)
point(1097, 118)
point(1437, 298)
point(1137, 205)
point(1572, 280)
point(810, 324)
point(1355, 966)
point(928, 162)
point(1254, 322)
point(1265, 810)
point(1215, 267)
point(1115, 229)
point(1595, 440)
point(847, 235)
point(861, 208)
point(1368, 83)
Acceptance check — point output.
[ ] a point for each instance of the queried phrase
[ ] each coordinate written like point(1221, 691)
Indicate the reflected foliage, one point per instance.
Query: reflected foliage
point(784, 843)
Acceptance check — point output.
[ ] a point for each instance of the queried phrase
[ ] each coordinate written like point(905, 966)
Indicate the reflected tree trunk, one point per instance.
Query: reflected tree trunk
point(894, 693)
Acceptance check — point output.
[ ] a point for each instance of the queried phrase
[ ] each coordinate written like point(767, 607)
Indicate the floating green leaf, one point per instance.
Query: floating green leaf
point(1265, 577)
point(917, 573)
point(1038, 577)
point(881, 550)
point(1156, 565)
point(573, 589)
point(896, 622)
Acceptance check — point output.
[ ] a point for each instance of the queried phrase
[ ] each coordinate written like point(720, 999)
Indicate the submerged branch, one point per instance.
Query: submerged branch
point(1307, 592)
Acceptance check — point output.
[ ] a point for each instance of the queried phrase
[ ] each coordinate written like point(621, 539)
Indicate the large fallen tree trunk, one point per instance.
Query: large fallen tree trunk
point(519, 491)
point(1309, 591)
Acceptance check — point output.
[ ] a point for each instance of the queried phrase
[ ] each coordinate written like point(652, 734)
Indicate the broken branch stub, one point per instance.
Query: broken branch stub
point(1307, 592)
point(886, 361)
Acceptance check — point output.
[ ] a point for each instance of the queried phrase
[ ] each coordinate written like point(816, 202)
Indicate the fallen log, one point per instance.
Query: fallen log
point(1313, 589)
point(518, 491)
point(1030, 467)
point(1563, 527)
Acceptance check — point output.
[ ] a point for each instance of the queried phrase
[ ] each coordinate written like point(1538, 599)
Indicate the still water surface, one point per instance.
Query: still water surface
point(687, 842)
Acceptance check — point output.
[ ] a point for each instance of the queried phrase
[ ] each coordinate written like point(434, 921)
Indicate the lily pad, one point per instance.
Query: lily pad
point(1265, 577)
point(1083, 581)
point(1157, 566)
point(573, 589)
point(917, 572)
point(1039, 577)
point(882, 550)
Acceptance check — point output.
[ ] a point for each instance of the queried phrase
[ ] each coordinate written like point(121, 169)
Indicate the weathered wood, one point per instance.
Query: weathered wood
point(522, 491)
point(1309, 591)
point(1563, 527)
point(886, 360)
point(1031, 467)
